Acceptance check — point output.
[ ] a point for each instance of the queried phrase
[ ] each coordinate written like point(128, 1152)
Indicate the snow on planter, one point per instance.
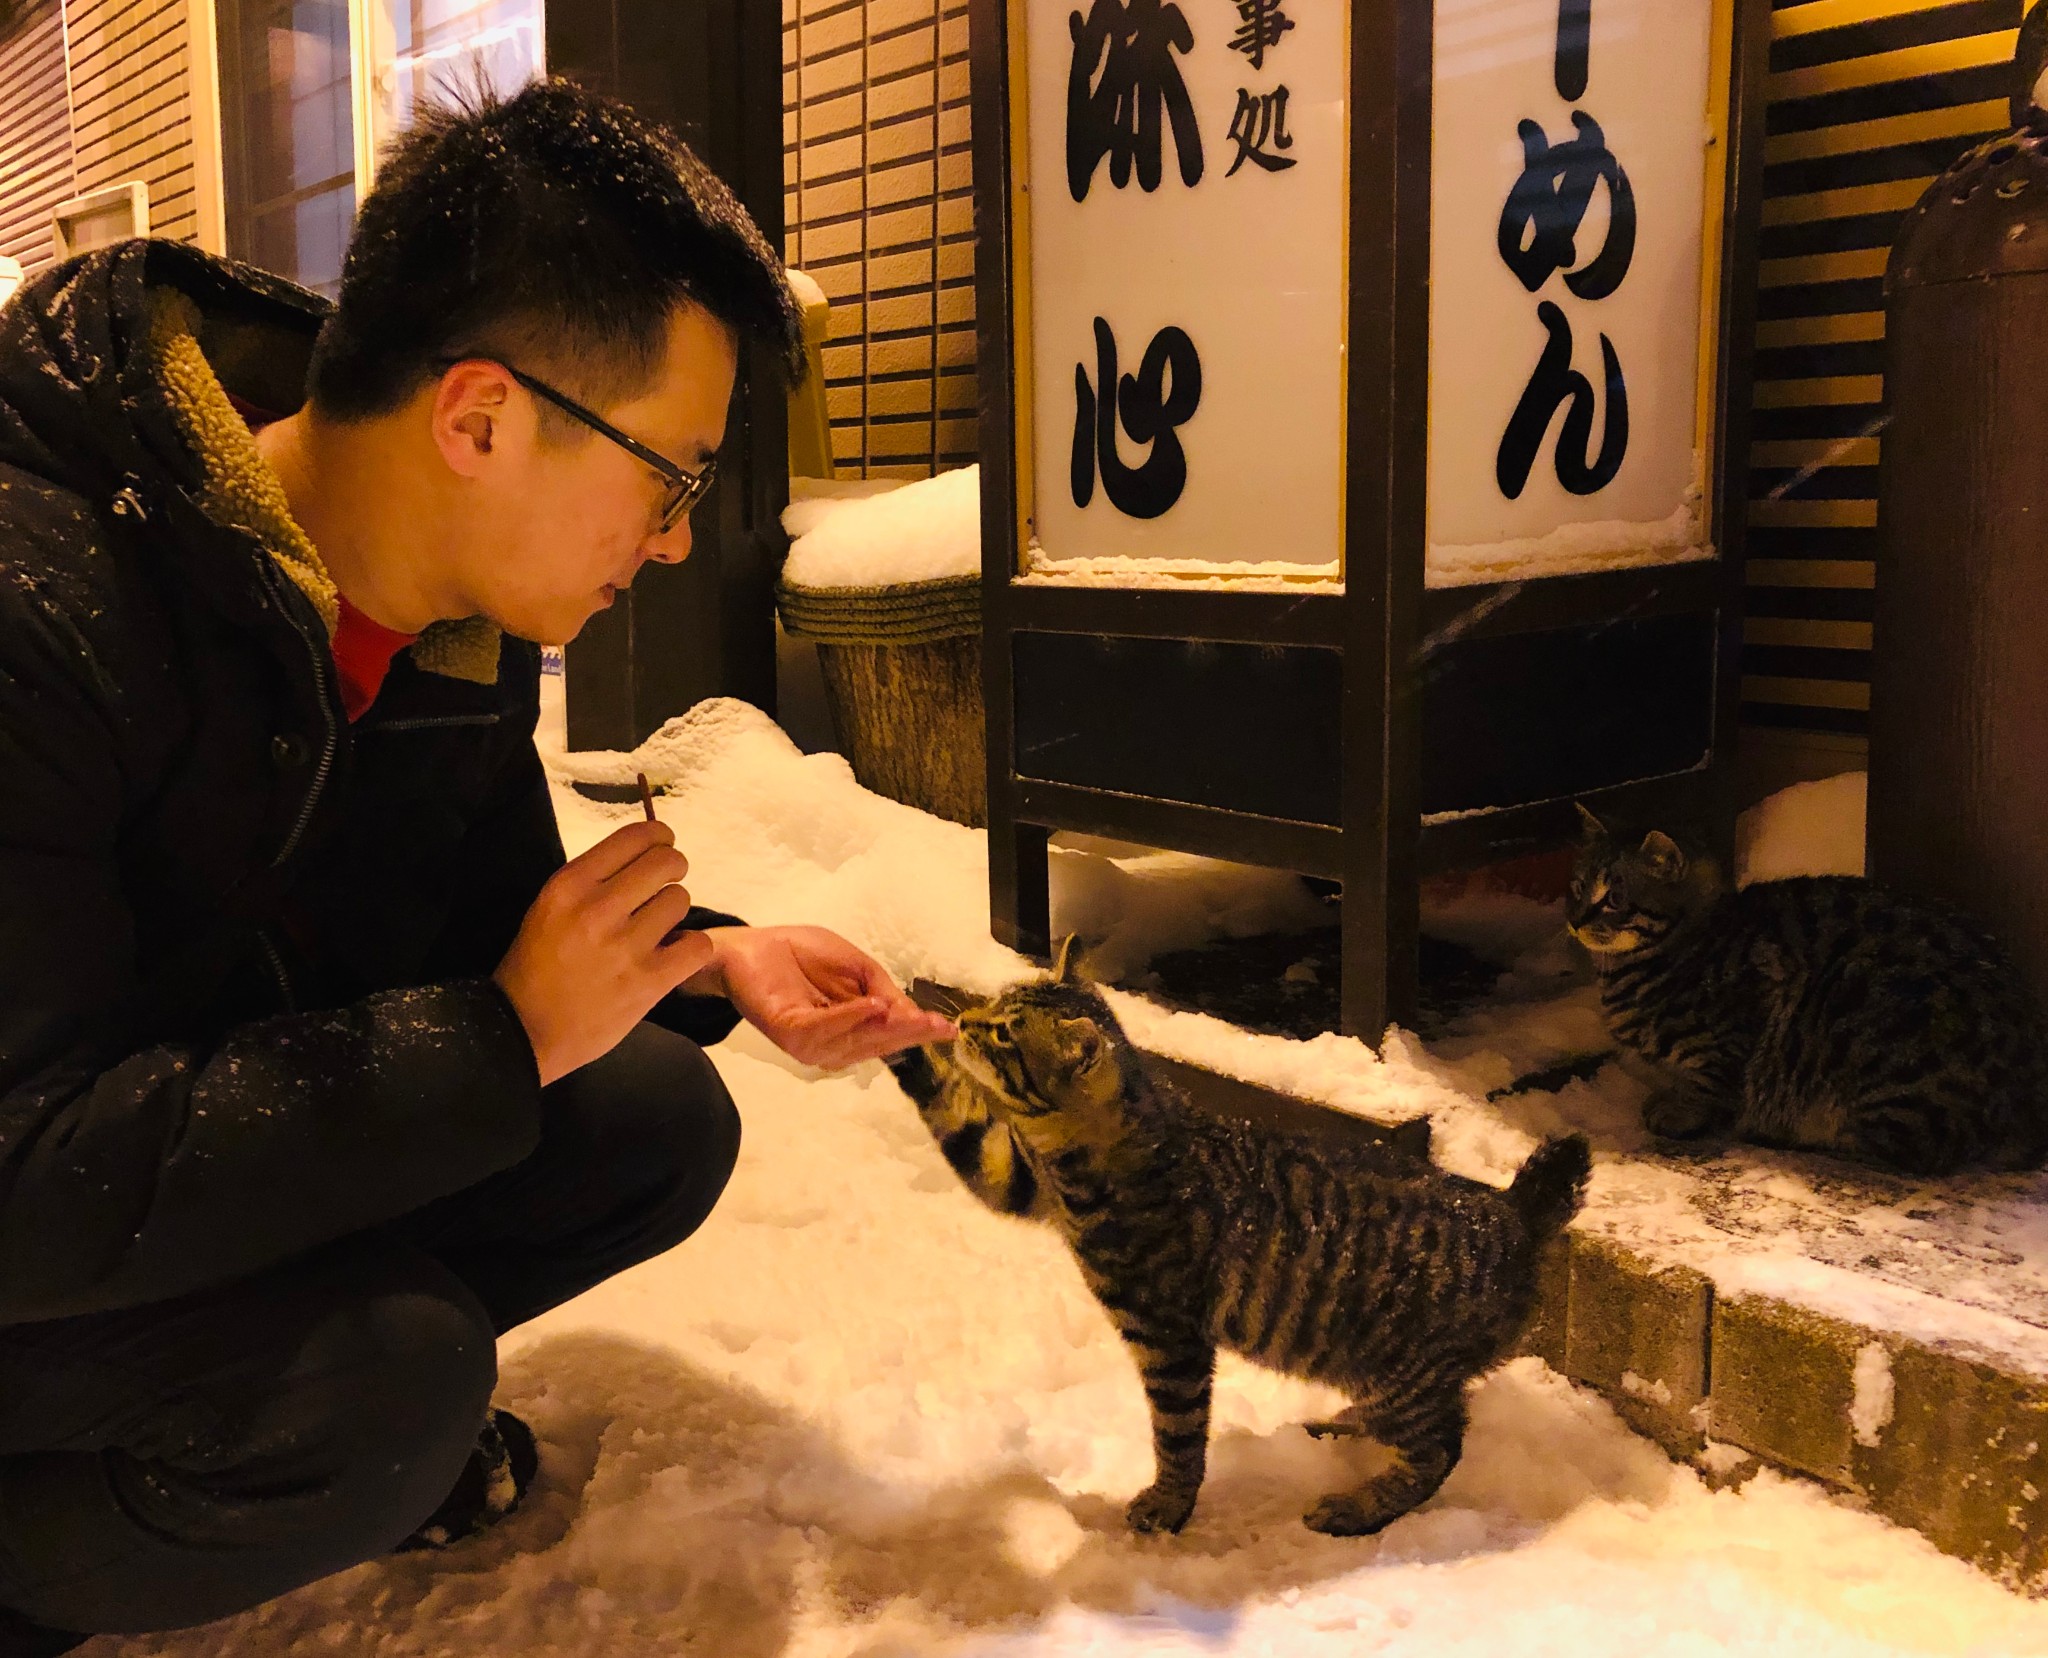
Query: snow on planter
point(885, 580)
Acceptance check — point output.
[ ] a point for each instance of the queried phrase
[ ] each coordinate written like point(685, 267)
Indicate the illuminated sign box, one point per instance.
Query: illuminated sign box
point(1364, 406)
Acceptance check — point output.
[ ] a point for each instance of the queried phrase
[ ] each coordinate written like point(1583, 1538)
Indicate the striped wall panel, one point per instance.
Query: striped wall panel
point(880, 210)
point(35, 134)
point(131, 105)
point(1869, 100)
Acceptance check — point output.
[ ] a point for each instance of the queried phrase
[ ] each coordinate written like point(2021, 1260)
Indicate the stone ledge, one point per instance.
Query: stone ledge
point(1640, 1334)
point(1953, 1447)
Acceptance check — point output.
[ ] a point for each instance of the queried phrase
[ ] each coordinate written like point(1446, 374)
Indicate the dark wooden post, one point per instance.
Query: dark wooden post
point(712, 70)
point(1020, 898)
point(1387, 503)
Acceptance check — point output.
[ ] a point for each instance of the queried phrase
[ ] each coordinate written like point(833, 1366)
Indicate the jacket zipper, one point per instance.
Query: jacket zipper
point(284, 979)
point(319, 656)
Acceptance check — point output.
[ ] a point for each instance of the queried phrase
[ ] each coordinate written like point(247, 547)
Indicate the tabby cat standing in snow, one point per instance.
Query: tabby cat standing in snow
point(1355, 1265)
point(1825, 1012)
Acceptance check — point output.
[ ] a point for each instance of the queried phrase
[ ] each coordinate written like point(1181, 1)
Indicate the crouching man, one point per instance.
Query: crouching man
point(319, 1068)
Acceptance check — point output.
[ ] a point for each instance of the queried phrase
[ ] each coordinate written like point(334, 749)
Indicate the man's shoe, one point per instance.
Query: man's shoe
point(493, 1481)
point(21, 1639)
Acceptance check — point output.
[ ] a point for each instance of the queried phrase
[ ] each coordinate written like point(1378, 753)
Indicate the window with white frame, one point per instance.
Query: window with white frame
point(311, 90)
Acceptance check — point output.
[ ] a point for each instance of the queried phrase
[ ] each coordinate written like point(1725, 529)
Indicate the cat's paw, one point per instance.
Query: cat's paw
point(1682, 1114)
point(1338, 1429)
point(1346, 1514)
point(1158, 1509)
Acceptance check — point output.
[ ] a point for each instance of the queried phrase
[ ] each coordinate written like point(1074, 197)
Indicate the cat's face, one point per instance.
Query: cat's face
point(1052, 1057)
point(1626, 894)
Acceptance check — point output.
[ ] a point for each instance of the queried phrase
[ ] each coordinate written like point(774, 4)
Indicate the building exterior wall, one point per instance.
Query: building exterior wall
point(131, 104)
point(1869, 100)
point(880, 210)
point(36, 166)
point(101, 92)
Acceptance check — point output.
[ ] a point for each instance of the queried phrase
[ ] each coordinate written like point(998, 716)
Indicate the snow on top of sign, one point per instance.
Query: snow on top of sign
point(880, 534)
point(1266, 576)
point(775, 835)
point(1574, 550)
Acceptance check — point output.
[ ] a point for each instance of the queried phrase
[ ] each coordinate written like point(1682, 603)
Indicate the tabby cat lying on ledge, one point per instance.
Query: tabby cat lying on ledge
point(1354, 1265)
point(1825, 1012)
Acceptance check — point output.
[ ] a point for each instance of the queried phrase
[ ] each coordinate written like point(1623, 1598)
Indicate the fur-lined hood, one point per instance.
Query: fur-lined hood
point(116, 370)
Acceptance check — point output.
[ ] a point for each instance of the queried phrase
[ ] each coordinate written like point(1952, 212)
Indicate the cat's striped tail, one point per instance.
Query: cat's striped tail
point(1548, 1188)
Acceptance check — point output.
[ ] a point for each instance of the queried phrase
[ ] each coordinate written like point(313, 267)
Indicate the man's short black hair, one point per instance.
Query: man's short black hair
point(556, 230)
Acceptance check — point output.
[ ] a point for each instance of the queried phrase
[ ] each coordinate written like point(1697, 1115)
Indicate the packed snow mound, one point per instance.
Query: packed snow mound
point(924, 531)
point(683, 745)
point(860, 1416)
point(1808, 829)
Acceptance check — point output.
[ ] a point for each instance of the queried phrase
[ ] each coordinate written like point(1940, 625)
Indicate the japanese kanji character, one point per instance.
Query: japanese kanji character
point(1152, 406)
point(1123, 89)
point(1263, 25)
point(1261, 119)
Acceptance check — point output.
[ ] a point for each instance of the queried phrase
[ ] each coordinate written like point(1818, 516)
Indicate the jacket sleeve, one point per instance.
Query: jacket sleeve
point(134, 1169)
point(510, 852)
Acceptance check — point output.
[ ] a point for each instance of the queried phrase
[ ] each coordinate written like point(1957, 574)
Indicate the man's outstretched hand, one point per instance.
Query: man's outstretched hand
point(815, 996)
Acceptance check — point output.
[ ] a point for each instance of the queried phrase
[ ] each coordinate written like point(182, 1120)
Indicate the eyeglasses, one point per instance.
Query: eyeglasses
point(685, 489)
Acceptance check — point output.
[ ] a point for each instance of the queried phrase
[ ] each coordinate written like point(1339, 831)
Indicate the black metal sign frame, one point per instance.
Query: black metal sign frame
point(1391, 684)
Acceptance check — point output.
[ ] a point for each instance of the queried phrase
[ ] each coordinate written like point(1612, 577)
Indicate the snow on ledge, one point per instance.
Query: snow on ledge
point(1946, 1325)
point(1574, 550)
point(1179, 574)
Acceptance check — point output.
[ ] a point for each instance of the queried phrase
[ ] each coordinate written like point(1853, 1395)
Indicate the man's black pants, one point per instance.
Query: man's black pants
point(166, 1465)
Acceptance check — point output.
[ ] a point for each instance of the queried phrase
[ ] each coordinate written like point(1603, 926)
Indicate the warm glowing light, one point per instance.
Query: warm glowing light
point(10, 277)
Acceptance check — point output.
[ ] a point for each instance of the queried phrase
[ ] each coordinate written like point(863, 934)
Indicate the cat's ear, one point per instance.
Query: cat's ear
point(1662, 857)
point(1590, 827)
point(1083, 1039)
point(1066, 967)
point(1091, 1063)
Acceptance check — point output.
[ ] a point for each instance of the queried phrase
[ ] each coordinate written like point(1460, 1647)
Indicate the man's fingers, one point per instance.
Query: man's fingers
point(826, 1037)
point(822, 1024)
point(874, 1039)
point(685, 955)
point(661, 917)
point(655, 869)
point(618, 849)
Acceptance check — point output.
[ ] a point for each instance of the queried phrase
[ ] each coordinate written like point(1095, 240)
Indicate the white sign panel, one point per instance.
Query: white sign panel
point(1568, 185)
point(1187, 222)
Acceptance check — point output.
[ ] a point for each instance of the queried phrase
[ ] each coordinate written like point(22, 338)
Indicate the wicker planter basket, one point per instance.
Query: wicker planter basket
point(902, 671)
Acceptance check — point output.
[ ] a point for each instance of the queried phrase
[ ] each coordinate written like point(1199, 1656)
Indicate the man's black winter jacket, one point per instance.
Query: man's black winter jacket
point(244, 947)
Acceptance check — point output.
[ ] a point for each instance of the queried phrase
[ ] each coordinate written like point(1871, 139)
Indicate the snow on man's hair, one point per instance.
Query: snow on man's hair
point(556, 229)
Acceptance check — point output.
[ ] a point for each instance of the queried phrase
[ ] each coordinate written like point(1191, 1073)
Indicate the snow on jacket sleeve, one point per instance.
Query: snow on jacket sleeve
point(508, 856)
point(132, 1173)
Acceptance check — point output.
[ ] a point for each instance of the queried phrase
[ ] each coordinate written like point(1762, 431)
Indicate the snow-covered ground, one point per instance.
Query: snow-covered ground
point(858, 1416)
